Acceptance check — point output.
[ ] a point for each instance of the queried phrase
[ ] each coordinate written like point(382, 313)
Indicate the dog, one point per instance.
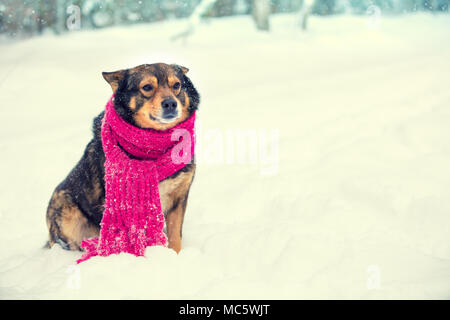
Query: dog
point(152, 96)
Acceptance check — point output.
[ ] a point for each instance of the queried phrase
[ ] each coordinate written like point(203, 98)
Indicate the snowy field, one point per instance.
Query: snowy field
point(354, 202)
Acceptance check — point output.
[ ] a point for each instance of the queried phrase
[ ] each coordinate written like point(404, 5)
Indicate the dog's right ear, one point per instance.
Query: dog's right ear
point(113, 78)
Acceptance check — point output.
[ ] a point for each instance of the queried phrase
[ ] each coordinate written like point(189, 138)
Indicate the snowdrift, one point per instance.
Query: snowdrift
point(356, 203)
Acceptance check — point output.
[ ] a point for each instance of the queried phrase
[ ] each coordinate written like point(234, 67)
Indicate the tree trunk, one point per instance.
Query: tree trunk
point(194, 20)
point(304, 13)
point(261, 12)
point(60, 15)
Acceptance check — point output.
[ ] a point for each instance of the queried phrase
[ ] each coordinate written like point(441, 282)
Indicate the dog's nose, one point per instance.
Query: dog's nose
point(169, 105)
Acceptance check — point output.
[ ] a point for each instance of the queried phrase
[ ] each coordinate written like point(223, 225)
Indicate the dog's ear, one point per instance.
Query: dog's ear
point(181, 68)
point(113, 78)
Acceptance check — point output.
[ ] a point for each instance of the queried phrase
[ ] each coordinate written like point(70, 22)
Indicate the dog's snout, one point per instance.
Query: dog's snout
point(169, 105)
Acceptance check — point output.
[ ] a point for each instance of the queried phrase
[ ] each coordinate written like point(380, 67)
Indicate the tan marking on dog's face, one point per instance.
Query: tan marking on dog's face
point(187, 101)
point(133, 103)
point(174, 84)
point(148, 86)
point(161, 79)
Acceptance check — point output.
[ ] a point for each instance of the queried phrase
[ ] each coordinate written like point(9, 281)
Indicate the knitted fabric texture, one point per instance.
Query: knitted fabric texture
point(133, 219)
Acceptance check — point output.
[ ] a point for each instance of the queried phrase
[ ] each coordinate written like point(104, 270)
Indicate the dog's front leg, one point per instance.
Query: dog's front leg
point(175, 224)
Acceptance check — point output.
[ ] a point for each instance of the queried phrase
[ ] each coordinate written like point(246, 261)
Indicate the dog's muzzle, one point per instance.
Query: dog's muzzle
point(169, 107)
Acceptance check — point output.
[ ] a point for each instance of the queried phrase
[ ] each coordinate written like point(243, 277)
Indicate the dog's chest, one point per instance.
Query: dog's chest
point(173, 191)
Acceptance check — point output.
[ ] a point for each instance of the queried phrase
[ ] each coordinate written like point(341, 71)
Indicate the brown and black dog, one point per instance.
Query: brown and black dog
point(156, 96)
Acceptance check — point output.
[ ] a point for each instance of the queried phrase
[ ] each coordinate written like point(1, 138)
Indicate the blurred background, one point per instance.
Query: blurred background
point(19, 19)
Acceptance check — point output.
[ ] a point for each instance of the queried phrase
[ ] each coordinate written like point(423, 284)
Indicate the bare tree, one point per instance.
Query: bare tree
point(260, 13)
point(304, 13)
point(202, 8)
point(60, 25)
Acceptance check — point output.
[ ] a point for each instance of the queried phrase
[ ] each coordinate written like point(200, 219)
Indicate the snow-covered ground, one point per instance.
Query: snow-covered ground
point(357, 201)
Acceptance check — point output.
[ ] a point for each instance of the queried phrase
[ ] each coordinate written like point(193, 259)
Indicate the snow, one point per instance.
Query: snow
point(358, 203)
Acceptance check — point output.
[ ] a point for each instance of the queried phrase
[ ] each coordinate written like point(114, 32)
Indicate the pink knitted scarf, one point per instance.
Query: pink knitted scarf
point(133, 219)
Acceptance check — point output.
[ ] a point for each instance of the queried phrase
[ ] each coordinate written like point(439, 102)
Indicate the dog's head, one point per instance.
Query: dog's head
point(156, 96)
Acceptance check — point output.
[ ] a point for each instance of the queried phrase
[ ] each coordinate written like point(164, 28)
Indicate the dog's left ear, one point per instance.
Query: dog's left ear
point(183, 69)
point(113, 78)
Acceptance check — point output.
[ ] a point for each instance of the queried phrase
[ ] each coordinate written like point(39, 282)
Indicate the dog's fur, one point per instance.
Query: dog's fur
point(76, 206)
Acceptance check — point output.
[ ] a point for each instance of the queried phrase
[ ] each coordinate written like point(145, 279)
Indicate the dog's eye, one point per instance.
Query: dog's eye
point(176, 86)
point(147, 87)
